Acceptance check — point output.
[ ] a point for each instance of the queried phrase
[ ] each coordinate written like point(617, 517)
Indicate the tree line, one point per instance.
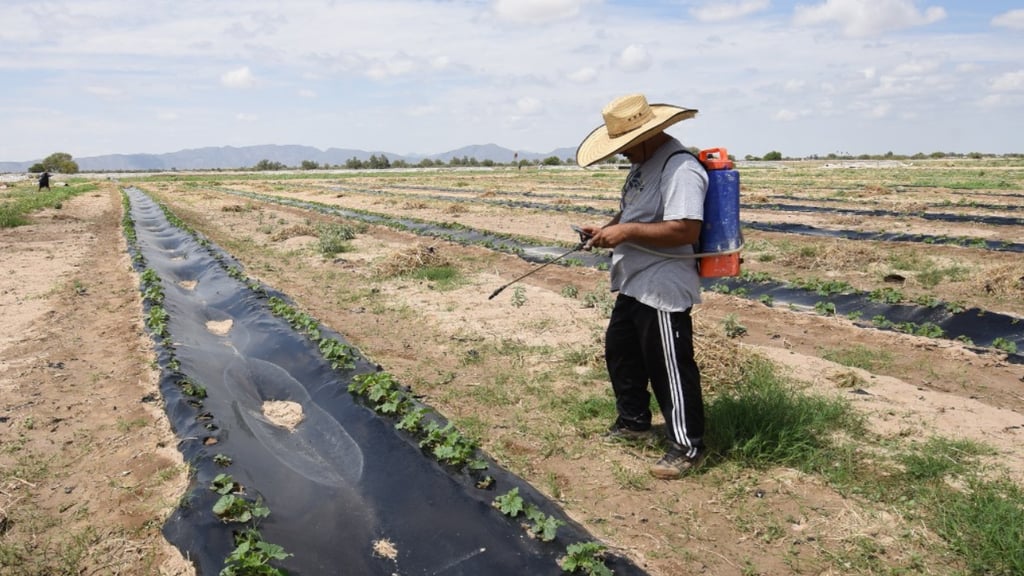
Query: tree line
point(58, 162)
point(776, 155)
point(375, 162)
point(63, 163)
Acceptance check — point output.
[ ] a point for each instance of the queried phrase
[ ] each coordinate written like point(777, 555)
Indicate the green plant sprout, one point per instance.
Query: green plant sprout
point(252, 556)
point(510, 503)
point(543, 526)
point(585, 558)
point(733, 328)
point(518, 296)
point(1005, 345)
point(234, 508)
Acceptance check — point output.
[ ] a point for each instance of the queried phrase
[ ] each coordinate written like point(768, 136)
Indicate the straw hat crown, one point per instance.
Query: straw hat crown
point(628, 120)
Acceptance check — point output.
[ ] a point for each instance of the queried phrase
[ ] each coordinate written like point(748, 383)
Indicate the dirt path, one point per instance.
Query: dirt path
point(88, 464)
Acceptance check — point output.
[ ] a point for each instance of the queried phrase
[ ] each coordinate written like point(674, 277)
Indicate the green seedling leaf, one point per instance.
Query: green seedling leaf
point(543, 527)
point(225, 484)
point(509, 503)
point(586, 558)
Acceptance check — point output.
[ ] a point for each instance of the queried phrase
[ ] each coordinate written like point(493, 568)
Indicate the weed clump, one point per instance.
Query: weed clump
point(293, 232)
point(333, 237)
point(411, 260)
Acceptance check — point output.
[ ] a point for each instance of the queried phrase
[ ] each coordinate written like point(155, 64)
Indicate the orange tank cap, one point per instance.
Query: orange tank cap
point(715, 159)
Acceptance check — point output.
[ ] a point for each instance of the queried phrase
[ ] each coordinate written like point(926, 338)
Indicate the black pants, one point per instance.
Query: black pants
point(644, 345)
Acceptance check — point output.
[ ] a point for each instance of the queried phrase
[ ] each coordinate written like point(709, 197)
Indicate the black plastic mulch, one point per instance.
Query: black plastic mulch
point(345, 478)
point(806, 230)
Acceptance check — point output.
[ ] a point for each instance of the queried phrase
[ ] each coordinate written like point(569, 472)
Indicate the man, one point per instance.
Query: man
point(650, 334)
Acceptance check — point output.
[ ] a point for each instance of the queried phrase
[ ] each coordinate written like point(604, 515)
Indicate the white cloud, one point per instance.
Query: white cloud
point(390, 67)
point(719, 11)
point(583, 75)
point(529, 106)
point(1009, 82)
point(860, 18)
point(537, 11)
point(103, 91)
point(1014, 19)
point(422, 111)
point(991, 101)
point(786, 115)
point(307, 93)
point(880, 110)
point(869, 73)
point(238, 78)
point(794, 86)
point(634, 58)
point(244, 117)
point(916, 67)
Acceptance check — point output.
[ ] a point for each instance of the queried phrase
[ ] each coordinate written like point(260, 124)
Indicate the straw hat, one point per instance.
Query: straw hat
point(628, 120)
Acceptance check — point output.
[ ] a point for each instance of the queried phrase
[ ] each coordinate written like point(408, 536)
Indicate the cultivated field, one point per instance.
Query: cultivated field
point(864, 379)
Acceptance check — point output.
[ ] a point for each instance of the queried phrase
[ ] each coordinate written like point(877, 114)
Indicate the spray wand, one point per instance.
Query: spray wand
point(584, 238)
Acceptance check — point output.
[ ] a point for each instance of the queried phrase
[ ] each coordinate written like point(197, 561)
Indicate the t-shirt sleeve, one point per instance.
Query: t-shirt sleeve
point(684, 185)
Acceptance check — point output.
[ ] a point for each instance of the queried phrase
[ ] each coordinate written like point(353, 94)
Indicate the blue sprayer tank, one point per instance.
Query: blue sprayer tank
point(720, 236)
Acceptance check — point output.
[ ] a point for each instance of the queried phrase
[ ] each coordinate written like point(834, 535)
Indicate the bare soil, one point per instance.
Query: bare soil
point(88, 465)
point(88, 455)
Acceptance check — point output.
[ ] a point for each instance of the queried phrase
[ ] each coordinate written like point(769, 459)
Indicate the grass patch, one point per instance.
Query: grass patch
point(764, 421)
point(932, 276)
point(941, 457)
point(20, 203)
point(442, 277)
point(859, 356)
point(983, 524)
point(333, 238)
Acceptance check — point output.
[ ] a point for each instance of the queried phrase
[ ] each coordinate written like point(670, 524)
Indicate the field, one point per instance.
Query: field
point(864, 378)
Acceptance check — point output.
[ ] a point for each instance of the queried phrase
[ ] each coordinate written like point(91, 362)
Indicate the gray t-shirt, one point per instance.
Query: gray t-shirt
point(651, 194)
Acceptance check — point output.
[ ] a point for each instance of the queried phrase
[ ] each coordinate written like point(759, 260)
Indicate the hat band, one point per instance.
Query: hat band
point(619, 126)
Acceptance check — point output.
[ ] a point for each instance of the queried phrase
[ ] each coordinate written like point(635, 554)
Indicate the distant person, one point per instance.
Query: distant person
point(649, 341)
point(44, 181)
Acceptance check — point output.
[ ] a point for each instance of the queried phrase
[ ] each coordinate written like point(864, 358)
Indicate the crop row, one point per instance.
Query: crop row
point(386, 396)
point(855, 301)
point(252, 553)
point(802, 229)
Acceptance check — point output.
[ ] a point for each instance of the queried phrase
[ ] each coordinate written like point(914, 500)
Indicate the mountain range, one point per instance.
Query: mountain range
point(230, 157)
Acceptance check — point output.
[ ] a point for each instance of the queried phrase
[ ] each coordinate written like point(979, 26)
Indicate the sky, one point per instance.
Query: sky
point(94, 77)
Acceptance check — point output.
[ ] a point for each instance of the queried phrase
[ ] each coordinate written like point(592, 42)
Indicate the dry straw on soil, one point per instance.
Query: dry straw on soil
point(411, 259)
point(293, 232)
point(1005, 280)
point(719, 357)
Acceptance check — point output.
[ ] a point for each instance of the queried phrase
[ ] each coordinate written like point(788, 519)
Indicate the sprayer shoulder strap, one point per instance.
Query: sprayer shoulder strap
point(695, 245)
point(678, 152)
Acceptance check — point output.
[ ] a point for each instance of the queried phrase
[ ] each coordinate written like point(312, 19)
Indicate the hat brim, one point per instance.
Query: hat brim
point(598, 145)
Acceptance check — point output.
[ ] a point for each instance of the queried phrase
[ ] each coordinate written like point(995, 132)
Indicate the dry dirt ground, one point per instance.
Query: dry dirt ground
point(88, 465)
point(88, 457)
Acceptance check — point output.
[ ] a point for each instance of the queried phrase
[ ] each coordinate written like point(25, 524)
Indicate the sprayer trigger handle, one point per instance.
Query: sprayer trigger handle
point(583, 235)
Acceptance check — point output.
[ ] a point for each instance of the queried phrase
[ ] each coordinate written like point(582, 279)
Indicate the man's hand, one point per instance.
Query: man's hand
point(608, 237)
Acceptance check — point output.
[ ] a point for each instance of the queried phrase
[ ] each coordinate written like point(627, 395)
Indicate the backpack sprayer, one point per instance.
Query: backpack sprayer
point(718, 250)
point(721, 240)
